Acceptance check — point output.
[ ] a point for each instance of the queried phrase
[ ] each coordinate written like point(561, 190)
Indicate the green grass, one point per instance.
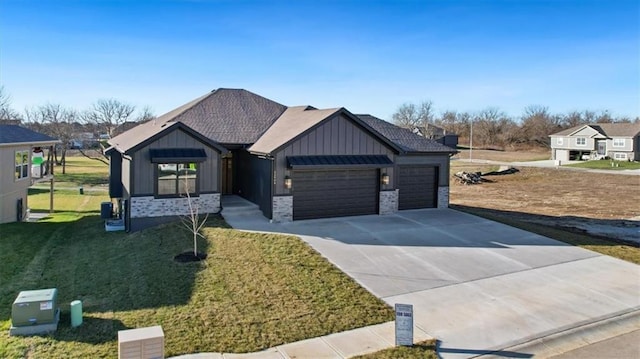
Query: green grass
point(253, 291)
point(422, 350)
point(607, 165)
point(82, 171)
point(624, 251)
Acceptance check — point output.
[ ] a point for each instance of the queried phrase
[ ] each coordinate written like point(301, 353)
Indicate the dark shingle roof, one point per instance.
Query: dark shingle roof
point(234, 116)
point(402, 137)
point(607, 129)
point(18, 134)
point(226, 116)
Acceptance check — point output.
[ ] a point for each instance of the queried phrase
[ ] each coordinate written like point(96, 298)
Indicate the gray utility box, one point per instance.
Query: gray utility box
point(35, 307)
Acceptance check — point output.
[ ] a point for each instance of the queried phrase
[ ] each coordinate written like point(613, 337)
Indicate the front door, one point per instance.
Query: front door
point(602, 147)
point(227, 174)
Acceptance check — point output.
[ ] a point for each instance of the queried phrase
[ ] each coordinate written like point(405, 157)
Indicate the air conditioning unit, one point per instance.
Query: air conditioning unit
point(35, 307)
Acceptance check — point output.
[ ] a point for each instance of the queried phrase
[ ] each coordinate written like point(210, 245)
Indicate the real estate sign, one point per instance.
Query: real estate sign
point(404, 324)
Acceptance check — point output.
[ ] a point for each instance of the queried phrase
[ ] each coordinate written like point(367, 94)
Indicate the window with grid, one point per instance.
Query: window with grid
point(22, 164)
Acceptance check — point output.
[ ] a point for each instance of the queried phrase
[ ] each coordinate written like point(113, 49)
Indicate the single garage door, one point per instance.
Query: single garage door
point(417, 187)
point(334, 193)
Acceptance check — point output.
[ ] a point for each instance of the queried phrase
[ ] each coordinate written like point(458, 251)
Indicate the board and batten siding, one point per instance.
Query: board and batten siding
point(143, 171)
point(337, 136)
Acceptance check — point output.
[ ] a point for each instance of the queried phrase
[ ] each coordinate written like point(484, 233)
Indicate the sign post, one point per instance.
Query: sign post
point(404, 324)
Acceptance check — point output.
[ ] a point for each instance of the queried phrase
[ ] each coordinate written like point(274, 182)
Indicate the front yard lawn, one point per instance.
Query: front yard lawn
point(253, 291)
point(607, 165)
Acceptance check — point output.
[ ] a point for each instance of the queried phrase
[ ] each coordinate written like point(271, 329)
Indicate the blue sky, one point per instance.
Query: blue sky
point(367, 56)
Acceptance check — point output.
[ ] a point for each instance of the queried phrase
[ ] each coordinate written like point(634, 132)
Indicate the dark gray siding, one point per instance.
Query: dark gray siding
point(253, 180)
point(337, 136)
point(115, 175)
point(438, 160)
point(143, 173)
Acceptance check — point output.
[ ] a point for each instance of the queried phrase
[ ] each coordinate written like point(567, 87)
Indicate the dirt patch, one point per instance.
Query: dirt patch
point(508, 156)
point(598, 203)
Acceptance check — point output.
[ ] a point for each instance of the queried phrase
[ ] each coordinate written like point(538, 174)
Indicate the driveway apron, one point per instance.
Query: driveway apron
point(476, 285)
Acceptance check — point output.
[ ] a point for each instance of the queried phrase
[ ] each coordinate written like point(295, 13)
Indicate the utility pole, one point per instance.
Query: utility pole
point(471, 143)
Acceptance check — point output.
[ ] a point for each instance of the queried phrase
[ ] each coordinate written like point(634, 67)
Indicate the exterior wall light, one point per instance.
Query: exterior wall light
point(287, 182)
point(384, 179)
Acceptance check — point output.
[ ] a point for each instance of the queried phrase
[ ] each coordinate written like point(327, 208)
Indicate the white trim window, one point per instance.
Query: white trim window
point(560, 141)
point(620, 156)
point(618, 142)
point(581, 141)
point(22, 165)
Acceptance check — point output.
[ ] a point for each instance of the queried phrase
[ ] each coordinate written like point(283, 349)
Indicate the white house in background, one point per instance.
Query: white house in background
point(618, 141)
point(25, 158)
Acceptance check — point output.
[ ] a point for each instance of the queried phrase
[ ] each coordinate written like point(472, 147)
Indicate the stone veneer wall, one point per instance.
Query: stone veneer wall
point(443, 197)
point(388, 202)
point(157, 207)
point(282, 209)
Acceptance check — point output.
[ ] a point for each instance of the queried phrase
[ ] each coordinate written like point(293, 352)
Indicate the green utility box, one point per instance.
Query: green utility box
point(35, 307)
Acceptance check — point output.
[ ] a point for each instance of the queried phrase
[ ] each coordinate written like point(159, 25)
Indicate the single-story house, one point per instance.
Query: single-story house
point(619, 141)
point(30, 153)
point(293, 162)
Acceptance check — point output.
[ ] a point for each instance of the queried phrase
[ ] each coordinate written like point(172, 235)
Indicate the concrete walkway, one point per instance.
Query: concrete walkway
point(479, 287)
point(339, 345)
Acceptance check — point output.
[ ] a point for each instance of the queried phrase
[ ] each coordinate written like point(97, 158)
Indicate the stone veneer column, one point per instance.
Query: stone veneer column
point(443, 197)
point(158, 207)
point(282, 209)
point(388, 202)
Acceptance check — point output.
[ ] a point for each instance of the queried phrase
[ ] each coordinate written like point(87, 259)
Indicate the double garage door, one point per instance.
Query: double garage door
point(334, 193)
point(352, 192)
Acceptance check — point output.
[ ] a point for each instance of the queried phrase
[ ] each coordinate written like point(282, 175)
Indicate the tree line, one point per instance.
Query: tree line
point(103, 117)
point(493, 128)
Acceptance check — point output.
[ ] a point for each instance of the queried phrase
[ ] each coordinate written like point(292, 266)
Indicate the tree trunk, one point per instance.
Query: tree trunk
point(63, 159)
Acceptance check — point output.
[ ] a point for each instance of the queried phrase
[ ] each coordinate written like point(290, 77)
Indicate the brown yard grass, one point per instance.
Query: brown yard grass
point(555, 192)
point(506, 156)
point(593, 210)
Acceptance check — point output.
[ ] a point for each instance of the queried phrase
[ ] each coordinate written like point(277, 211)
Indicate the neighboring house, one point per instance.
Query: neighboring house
point(438, 134)
point(26, 157)
point(293, 162)
point(619, 141)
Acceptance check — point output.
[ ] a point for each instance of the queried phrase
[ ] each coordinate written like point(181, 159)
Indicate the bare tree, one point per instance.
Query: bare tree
point(108, 114)
point(419, 118)
point(145, 115)
point(7, 113)
point(193, 221)
point(537, 124)
point(494, 128)
point(56, 121)
point(455, 122)
point(406, 116)
point(604, 117)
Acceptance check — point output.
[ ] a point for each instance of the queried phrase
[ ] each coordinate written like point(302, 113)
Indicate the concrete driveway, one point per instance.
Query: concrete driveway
point(476, 285)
